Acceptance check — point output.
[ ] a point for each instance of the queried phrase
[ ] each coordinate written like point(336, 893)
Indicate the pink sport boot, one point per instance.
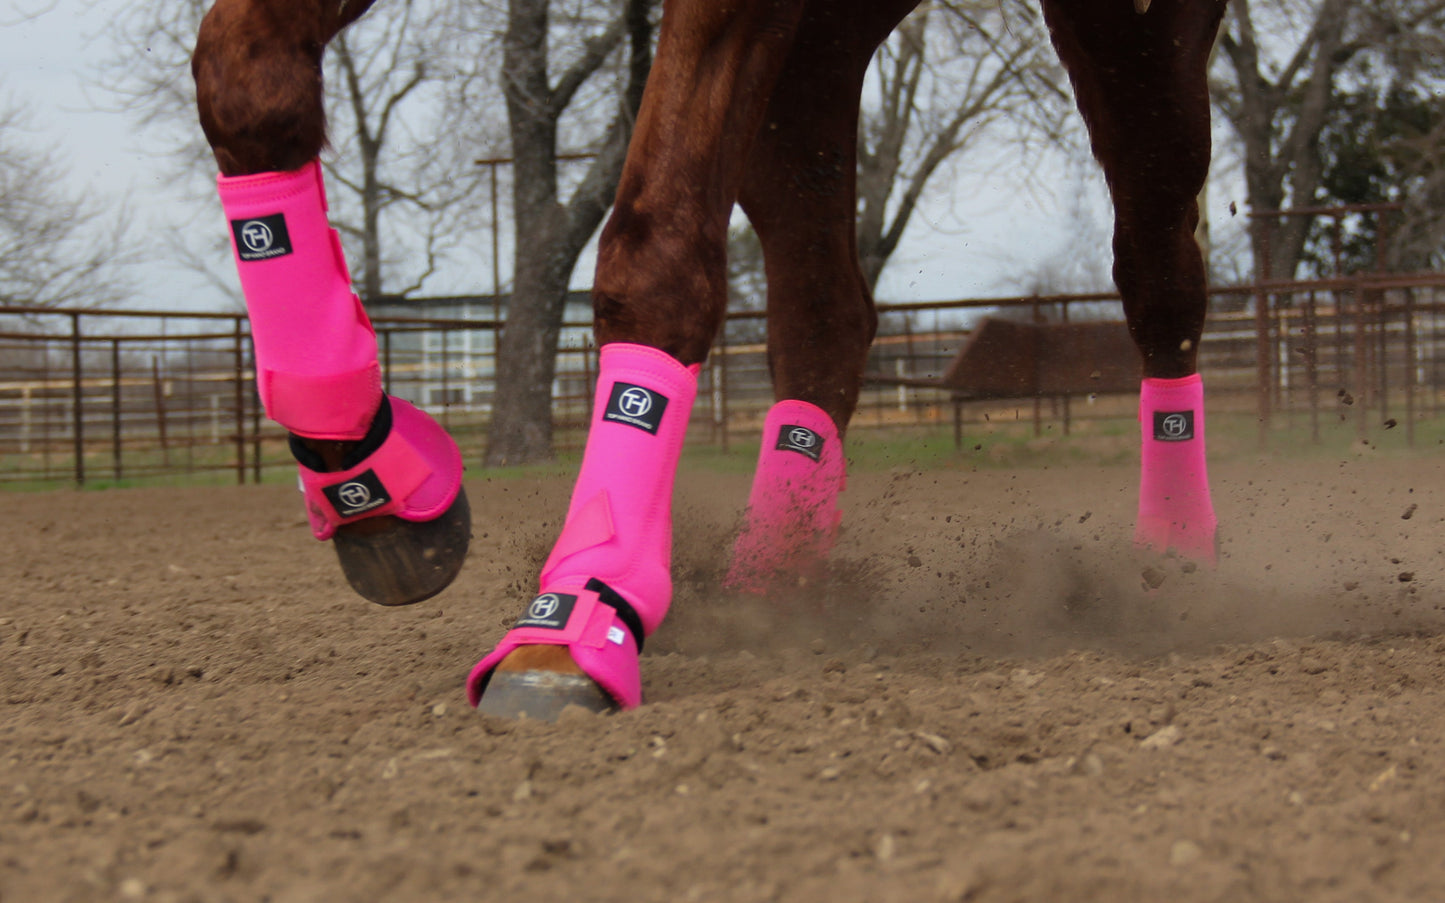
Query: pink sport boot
point(1175, 510)
point(792, 516)
point(607, 584)
point(394, 505)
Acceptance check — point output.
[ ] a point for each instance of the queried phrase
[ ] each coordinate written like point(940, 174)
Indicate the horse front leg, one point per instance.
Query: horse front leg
point(1140, 83)
point(660, 295)
point(801, 196)
point(381, 478)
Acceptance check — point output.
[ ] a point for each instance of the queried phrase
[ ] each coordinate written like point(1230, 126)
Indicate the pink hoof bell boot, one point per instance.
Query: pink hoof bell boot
point(1175, 510)
point(607, 584)
point(390, 494)
point(792, 516)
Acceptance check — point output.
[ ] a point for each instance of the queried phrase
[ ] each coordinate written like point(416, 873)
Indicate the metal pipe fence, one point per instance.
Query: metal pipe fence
point(113, 396)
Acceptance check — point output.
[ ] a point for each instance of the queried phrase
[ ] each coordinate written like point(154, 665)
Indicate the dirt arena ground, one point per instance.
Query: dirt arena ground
point(990, 699)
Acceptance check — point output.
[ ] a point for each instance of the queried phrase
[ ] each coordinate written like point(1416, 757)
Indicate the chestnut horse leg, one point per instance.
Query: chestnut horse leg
point(800, 193)
point(1140, 81)
point(660, 294)
point(380, 477)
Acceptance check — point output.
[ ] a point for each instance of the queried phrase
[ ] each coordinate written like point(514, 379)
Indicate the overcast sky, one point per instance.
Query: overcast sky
point(984, 237)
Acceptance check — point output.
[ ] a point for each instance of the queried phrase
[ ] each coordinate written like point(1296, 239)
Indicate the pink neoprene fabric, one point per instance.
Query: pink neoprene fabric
point(316, 364)
point(414, 475)
point(1175, 510)
point(792, 515)
point(619, 524)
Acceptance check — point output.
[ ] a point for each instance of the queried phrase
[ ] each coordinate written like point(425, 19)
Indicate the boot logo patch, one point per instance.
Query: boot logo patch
point(357, 496)
point(635, 406)
point(1173, 426)
point(549, 611)
point(261, 238)
point(800, 439)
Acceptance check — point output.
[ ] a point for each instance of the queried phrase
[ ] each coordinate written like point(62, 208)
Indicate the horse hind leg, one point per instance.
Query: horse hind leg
point(1140, 82)
point(800, 194)
point(381, 479)
point(659, 298)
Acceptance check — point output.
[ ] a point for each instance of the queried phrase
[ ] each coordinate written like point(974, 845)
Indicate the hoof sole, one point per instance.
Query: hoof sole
point(391, 561)
point(541, 695)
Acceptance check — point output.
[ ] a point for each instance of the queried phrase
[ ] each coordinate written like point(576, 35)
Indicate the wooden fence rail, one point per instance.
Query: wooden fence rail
point(114, 395)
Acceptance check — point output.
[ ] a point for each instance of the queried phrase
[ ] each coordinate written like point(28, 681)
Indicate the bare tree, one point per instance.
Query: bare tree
point(1284, 64)
point(954, 76)
point(56, 248)
point(396, 154)
point(1420, 241)
point(400, 181)
point(552, 229)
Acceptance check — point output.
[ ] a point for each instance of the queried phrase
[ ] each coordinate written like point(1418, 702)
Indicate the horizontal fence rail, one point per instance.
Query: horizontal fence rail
point(90, 396)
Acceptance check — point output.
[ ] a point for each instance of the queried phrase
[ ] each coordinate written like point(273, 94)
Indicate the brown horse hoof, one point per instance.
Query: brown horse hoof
point(391, 561)
point(538, 682)
point(541, 695)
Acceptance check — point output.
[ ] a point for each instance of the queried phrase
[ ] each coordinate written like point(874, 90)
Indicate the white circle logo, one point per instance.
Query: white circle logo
point(801, 438)
point(354, 495)
point(1174, 425)
point(543, 607)
point(257, 236)
point(635, 402)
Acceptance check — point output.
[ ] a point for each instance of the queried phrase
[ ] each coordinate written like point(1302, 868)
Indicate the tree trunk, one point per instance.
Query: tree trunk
point(550, 235)
point(521, 429)
point(1279, 124)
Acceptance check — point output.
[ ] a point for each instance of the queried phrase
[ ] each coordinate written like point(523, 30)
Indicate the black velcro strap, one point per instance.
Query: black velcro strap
point(375, 435)
point(624, 609)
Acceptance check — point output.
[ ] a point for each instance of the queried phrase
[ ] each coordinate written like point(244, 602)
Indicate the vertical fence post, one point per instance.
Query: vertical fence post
point(1342, 375)
point(722, 382)
point(158, 387)
point(1382, 352)
point(77, 400)
point(589, 389)
point(909, 368)
point(446, 381)
point(1362, 361)
point(190, 405)
point(1312, 370)
point(45, 409)
point(26, 399)
point(254, 403)
point(386, 360)
point(1069, 399)
point(255, 435)
point(1261, 332)
point(115, 407)
point(240, 403)
point(1412, 368)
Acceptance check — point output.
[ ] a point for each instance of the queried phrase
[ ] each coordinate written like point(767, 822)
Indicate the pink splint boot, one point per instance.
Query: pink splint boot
point(608, 583)
point(318, 376)
point(792, 516)
point(1175, 510)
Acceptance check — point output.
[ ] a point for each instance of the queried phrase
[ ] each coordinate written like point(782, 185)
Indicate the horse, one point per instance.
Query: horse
point(751, 102)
